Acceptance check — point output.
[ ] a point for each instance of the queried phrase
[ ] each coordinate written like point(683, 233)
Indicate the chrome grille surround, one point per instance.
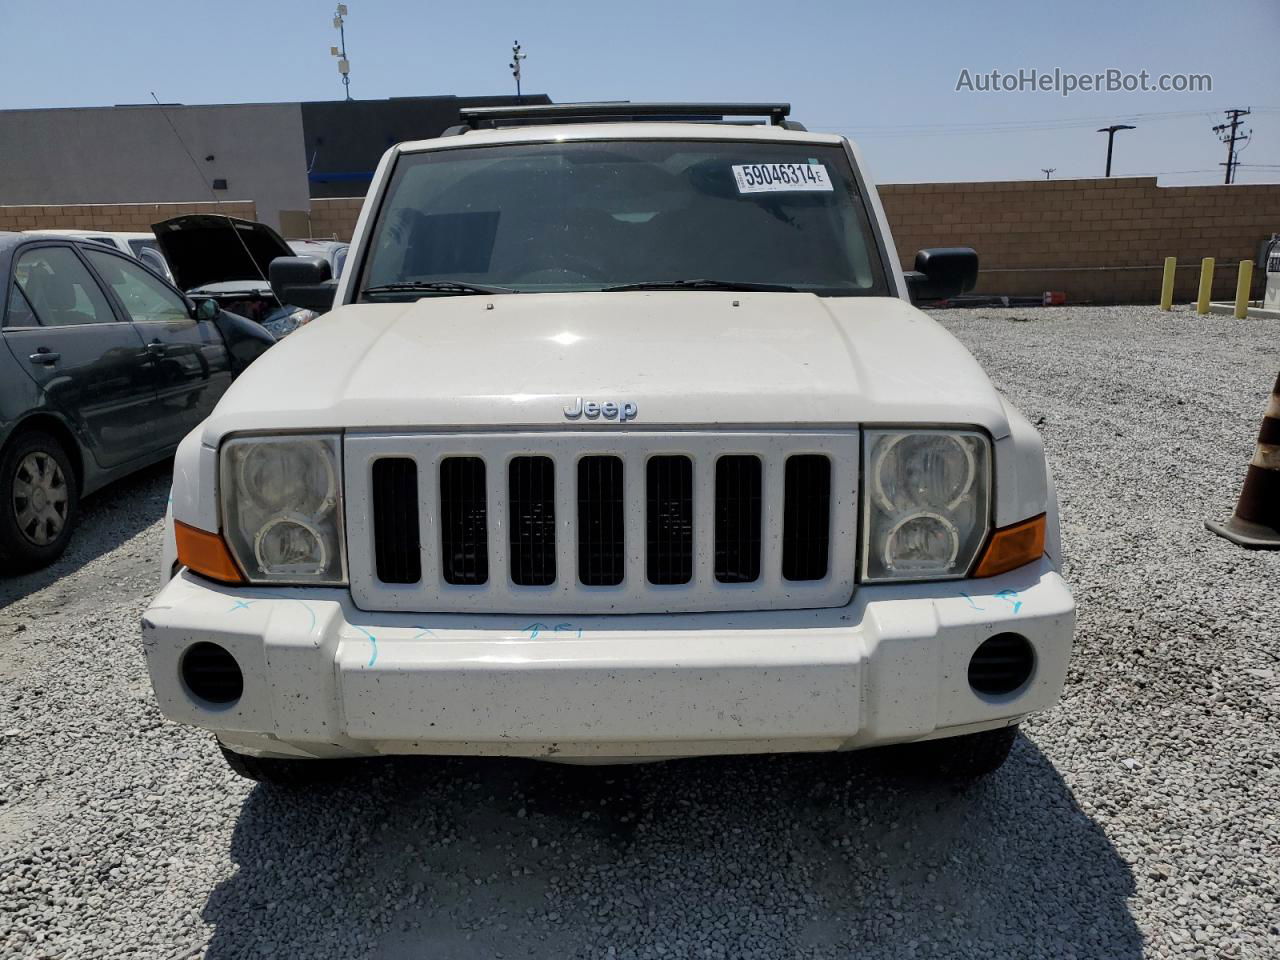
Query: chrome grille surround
point(635, 594)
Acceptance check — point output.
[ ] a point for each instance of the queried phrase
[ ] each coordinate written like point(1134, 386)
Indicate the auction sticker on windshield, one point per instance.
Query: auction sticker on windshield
point(781, 177)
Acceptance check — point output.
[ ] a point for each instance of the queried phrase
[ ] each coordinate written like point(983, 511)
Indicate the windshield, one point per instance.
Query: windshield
point(594, 215)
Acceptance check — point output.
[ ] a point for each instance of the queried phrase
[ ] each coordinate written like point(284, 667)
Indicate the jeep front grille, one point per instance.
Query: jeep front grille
point(464, 521)
point(602, 559)
point(531, 496)
point(395, 520)
point(588, 522)
point(806, 520)
point(738, 519)
point(669, 520)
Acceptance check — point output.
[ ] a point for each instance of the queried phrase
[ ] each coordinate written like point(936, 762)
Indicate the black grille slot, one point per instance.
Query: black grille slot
point(806, 517)
point(532, 496)
point(669, 520)
point(738, 488)
point(464, 521)
point(397, 549)
point(601, 554)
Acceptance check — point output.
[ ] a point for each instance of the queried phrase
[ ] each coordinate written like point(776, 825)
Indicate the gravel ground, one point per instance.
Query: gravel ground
point(1139, 818)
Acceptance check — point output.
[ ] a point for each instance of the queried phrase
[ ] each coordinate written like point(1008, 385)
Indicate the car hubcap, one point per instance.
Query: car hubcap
point(40, 498)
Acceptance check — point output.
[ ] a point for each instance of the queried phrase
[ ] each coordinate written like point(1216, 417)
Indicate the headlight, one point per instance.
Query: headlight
point(926, 504)
point(282, 508)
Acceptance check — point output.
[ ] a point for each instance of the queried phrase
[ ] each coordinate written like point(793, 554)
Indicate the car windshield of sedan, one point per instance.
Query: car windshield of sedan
point(601, 215)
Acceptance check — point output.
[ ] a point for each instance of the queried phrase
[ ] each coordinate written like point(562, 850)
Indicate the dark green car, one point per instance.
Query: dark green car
point(104, 367)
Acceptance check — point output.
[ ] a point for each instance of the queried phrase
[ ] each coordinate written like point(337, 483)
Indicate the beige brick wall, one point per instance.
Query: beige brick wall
point(335, 217)
point(113, 216)
point(1100, 240)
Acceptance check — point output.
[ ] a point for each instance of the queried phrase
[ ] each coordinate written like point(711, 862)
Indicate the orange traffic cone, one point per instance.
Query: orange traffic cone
point(1256, 522)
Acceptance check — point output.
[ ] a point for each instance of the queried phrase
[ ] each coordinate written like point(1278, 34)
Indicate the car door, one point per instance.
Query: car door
point(88, 360)
point(189, 359)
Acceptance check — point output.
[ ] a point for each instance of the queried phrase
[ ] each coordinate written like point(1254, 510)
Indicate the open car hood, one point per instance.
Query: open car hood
point(204, 248)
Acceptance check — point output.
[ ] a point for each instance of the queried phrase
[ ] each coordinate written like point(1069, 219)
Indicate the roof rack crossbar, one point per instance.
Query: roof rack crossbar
point(473, 117)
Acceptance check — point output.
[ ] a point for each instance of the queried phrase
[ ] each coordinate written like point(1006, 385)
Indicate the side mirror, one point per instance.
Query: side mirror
point(206, 309)
point(942, 272)
point(303, 282)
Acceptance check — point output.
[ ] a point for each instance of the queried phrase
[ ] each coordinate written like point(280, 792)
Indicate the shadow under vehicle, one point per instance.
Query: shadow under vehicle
point(814, 856)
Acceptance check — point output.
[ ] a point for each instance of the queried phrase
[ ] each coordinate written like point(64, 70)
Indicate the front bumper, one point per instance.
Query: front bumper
point(323, 678)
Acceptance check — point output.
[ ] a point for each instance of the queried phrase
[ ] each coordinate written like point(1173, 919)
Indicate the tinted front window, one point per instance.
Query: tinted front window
point(144, 297)
point(59, 288)
point(590, 215)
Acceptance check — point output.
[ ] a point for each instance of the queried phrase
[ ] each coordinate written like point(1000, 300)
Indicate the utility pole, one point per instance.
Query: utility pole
point(1111, 136)
point(516, 57)
point(1227, 134)
point(344, 67)
point(1047, 171)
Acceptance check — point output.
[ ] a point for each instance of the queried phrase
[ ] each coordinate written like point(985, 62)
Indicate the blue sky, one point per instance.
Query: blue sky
point(885, 73)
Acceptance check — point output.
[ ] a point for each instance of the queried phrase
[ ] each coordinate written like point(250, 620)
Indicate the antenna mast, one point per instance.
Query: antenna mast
point(344, 66)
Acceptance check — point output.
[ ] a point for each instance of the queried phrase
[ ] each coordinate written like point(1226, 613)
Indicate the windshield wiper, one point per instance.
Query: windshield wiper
point(459, 288)
point(701, 284)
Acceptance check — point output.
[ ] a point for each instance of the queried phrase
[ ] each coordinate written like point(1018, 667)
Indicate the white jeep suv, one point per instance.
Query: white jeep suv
point(622, 441)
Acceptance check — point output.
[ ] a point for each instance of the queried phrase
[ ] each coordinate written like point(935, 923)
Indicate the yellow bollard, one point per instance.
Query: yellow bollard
point(1206, 285)
point(1166, 286)
point(1243, 284)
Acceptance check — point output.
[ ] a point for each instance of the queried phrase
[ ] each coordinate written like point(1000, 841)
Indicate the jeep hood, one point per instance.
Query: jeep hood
point(685, 359)
point(203, 248)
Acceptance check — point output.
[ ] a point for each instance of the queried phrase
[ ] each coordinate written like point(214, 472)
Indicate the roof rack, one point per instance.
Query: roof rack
point(475, 117)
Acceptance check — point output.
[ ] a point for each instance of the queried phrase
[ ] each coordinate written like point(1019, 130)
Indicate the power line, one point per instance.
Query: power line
point(975, 131)
point(1227, 134)
point(217, 201)
point(1170, 173)
point(1082, 121)
point(903, 131)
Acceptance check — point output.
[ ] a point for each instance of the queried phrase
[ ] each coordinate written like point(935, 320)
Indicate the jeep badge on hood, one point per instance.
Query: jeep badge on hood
point(609, 409)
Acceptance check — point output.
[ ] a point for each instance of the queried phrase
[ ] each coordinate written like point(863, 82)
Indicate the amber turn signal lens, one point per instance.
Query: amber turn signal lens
point(206, 554)
point(1012, 547)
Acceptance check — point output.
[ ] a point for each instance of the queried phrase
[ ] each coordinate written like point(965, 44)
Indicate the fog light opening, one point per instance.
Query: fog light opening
point(211, 674)
point(1002, 665)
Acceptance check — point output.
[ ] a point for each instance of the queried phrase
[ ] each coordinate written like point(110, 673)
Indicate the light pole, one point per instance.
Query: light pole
point(344, 66)
point(516, 57)
point(1047, 171)
point(1111, 136)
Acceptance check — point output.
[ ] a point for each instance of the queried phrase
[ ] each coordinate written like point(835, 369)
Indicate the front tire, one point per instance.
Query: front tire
point(280, 772)
point(39, 502)
point(960, 760)
point(971, 756)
